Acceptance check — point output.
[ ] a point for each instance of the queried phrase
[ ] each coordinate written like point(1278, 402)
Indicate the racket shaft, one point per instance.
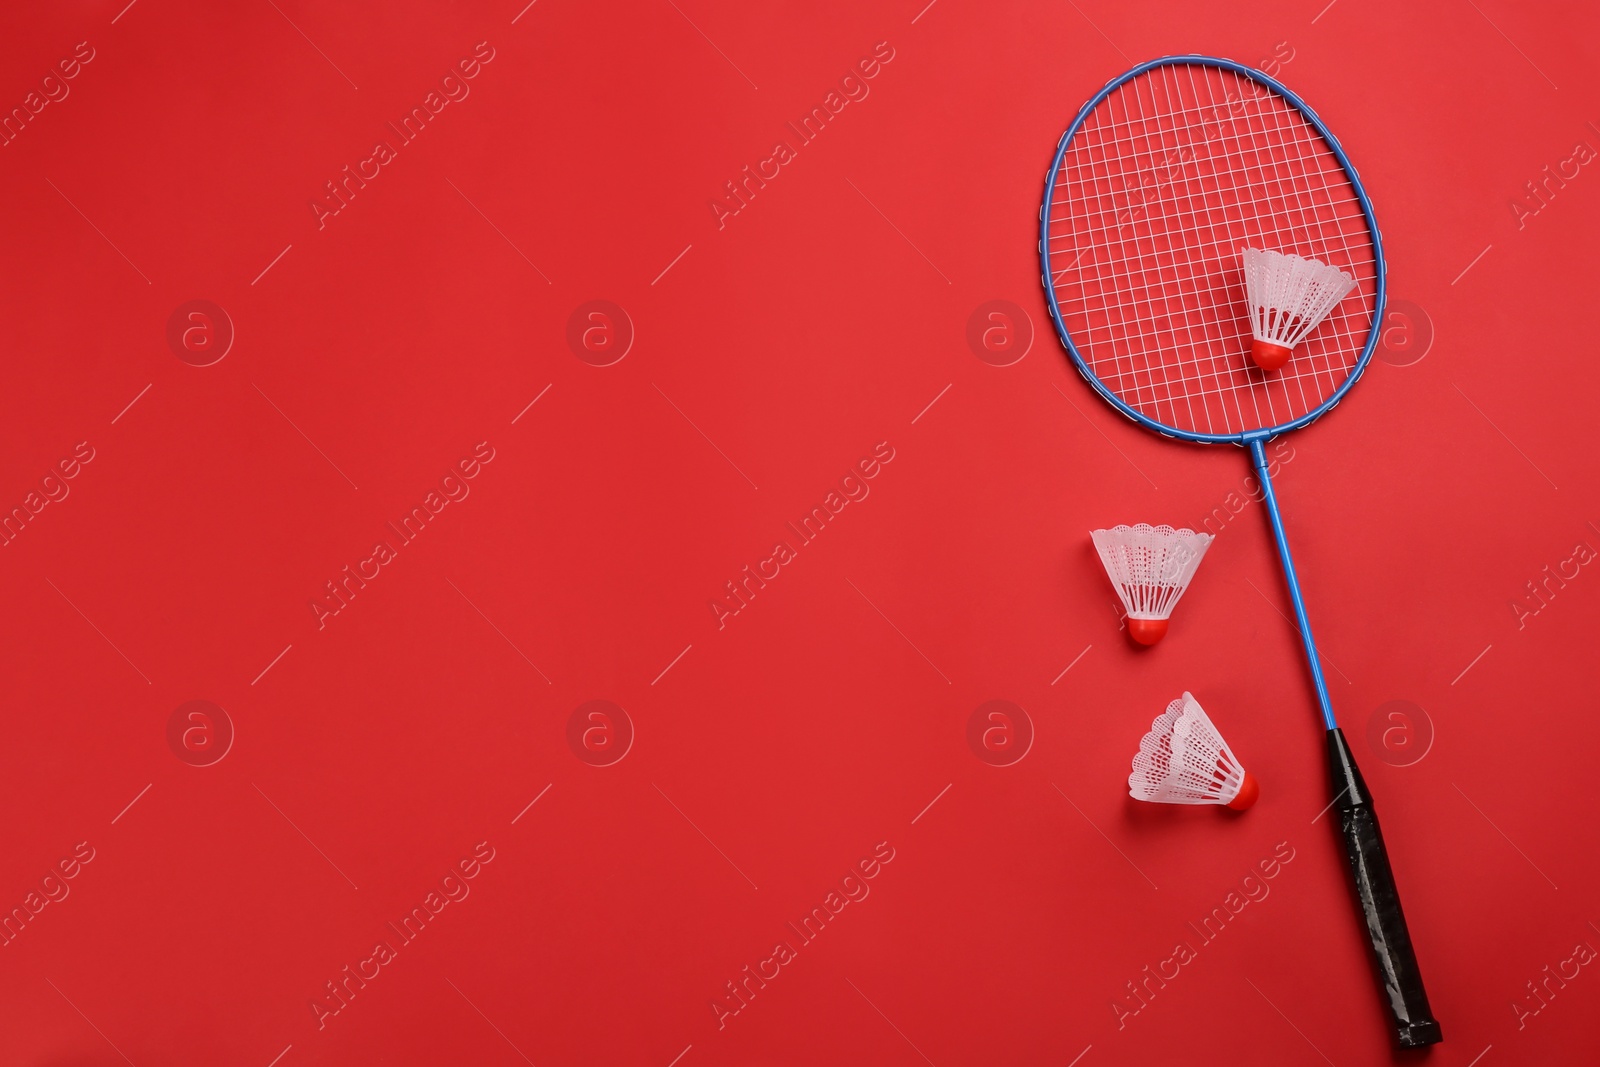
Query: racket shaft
point(1258, 456)
point(1379, 900)
point(1410, 1017)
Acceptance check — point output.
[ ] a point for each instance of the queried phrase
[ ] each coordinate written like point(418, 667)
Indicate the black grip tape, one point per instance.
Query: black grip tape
point(1400, 979)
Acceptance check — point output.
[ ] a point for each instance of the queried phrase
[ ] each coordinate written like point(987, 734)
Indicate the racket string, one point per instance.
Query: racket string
point(1158, 200)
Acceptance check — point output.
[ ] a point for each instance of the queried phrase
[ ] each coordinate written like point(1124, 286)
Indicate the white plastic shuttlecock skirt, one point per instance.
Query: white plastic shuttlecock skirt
point(1290, 295)
point(1150, 566)
point(1184, 760)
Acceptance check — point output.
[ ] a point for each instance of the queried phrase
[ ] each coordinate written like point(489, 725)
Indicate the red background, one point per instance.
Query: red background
point(769, 356)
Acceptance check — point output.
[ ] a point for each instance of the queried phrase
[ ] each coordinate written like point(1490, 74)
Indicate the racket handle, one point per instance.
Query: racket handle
point(1409, 1015)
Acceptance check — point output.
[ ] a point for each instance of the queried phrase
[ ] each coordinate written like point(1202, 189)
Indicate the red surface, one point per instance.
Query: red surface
point(839, 723)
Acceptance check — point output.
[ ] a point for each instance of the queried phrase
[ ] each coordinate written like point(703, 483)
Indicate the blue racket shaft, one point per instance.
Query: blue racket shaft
point(1373, 879)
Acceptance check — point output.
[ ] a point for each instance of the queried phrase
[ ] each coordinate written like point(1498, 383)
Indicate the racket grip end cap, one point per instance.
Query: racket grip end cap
point(1419, 1035)
point(1267, 355)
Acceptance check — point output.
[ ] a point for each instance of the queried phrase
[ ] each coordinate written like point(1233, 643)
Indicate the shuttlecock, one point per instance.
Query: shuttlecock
point(1150, 566)
point(1288, 297)
point(1183, 760)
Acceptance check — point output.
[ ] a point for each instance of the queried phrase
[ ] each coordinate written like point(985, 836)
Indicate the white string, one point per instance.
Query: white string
point(1161, 187)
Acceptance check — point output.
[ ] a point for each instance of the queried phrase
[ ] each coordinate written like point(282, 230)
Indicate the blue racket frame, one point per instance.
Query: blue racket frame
point(1255, 440)
point(1379, 268)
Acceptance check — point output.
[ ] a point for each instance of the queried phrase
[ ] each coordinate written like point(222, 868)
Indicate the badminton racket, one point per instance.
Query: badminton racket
point(1157, 187)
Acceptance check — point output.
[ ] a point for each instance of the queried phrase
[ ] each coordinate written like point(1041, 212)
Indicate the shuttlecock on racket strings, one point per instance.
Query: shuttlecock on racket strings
point(1183, 760)
point(1288, 297)
point(1150, 567)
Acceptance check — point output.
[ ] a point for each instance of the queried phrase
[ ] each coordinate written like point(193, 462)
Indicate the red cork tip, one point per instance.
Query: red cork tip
point(1249, 790)
point(1147, 631)
point(1269, 356)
